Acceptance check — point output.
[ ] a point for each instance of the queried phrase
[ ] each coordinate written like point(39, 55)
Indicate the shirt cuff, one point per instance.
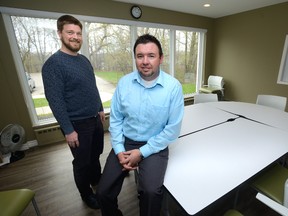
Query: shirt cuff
point(145, 151)
point(118, 148)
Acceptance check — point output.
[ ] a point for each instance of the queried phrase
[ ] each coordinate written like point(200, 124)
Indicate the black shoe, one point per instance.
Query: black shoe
point(91, 201)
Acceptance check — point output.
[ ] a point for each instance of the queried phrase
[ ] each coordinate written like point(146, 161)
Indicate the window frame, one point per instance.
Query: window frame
point(283, 70)
point(8, 12)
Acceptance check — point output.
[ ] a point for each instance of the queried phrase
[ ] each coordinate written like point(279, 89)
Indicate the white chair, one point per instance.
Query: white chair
point(215, 85)
point(273, 101)
point(203, 98)
point(270, 185)
point(282, 210)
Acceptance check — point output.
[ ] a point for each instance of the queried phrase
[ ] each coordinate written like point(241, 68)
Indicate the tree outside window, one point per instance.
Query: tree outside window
point(109, 48)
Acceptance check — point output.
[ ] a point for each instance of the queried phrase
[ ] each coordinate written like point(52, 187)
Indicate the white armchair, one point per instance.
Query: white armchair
point(215, 85)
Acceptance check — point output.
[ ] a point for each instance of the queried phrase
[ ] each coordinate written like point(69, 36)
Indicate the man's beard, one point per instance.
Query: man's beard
point(71, 48)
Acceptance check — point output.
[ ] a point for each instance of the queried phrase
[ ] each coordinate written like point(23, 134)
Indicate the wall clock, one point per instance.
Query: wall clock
point(136, 12)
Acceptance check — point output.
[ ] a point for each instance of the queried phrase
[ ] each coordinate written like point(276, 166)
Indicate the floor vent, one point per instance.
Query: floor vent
point(49, 135)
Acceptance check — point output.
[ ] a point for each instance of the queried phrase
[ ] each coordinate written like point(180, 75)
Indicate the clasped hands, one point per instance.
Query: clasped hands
point(129, 159)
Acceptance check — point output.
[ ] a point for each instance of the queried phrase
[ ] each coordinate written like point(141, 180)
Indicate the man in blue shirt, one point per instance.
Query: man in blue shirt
point(146, 114)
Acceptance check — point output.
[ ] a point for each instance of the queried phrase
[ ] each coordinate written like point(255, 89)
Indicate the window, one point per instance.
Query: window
point(186, 59)
point(283, 71)
point(108, 43)
point(110, 54)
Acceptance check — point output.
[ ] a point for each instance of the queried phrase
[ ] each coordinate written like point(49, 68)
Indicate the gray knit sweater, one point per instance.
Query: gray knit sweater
point(70, 88)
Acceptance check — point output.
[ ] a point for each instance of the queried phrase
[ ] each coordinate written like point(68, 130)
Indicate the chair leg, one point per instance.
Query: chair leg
point(36, 207)
point(236, 198)
point(136, 176)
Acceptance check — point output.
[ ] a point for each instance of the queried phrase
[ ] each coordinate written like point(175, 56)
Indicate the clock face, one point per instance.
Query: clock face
point(136, 12)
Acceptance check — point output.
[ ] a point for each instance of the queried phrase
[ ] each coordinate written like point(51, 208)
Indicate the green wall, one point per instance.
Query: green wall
point(247, 51)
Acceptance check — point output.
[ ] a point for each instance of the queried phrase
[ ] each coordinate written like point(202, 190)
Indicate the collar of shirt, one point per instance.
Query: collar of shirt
point(159, 80)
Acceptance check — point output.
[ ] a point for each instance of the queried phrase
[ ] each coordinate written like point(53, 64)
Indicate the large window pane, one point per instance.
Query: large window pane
point(186, 60)
point(110, 55)
point(37, 40)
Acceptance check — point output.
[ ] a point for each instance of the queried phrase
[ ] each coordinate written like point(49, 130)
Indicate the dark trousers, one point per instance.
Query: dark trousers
point(150, 183)
point(86, 163)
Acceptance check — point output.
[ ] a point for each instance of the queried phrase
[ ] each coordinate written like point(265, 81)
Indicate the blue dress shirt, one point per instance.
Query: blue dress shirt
point(153, 114)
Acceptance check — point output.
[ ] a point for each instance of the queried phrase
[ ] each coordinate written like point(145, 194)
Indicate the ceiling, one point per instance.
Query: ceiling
point(218, 8)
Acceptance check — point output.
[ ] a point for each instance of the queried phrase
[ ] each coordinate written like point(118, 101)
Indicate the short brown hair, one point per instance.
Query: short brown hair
point(147, 38)
point(67, 19)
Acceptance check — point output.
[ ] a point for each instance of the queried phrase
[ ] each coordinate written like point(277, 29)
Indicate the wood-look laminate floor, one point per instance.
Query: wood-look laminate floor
point(48, 171)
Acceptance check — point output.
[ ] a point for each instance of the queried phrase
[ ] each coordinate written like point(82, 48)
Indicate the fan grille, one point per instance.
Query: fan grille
point(12, 136)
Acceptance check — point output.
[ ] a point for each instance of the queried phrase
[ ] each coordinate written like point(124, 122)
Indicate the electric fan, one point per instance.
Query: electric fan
point(11, 138)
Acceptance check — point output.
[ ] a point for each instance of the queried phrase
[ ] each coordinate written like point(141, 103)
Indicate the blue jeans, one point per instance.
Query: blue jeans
point(86, 163)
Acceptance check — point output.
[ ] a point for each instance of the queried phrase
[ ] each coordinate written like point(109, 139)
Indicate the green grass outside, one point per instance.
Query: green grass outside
point(40, 102)
point(113, 77)
point(187, 89)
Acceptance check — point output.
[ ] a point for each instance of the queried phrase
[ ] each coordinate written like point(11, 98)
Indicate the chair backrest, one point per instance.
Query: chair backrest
point(273, 101)
point(14, 202)
point(202, 98)
point(216, 82)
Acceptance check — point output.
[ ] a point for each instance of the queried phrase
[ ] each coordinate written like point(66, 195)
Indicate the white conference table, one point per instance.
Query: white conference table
point(266, 115)
point(205, 165)
point(205, 116)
